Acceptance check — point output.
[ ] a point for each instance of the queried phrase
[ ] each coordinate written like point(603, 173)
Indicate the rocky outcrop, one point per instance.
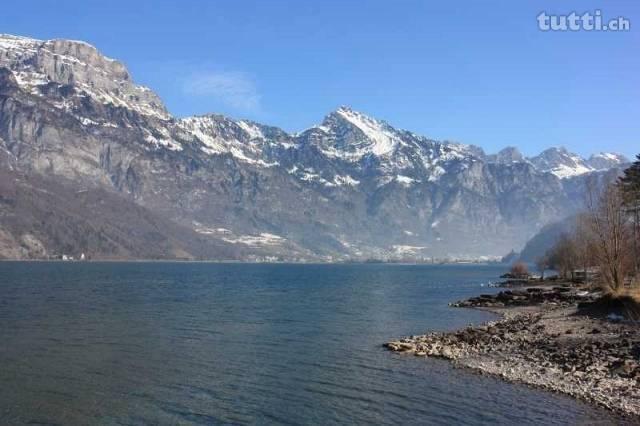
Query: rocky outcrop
point(531, 296)
point(543, 342)
point(38, 63)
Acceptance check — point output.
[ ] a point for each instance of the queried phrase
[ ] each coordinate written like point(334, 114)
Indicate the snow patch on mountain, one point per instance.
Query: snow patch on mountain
point(435, 173)
point(564, 171)
point(406, 249)
point(405, 180)
point(251, 129)
point(345, 180)
point(202, 128)
point(384, 141)
point(560, 162)
point(67, 62)
point(263, 239)
point(606, 160)
point(220, 135)
point(162, 140)
point(565, 164)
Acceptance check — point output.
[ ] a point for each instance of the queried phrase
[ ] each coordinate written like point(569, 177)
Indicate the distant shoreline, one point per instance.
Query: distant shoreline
point(247, 262)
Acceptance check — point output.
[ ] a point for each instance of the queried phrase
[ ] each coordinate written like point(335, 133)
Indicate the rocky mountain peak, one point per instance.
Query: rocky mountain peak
point(560, 162)
point(14, 47)
point(83, 57)
point(355, 135)
point(508, 155)
point(606, 160)
point(565, 164)
point(66, 62)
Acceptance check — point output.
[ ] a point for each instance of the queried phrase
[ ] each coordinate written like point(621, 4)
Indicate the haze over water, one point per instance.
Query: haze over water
point(196, 343)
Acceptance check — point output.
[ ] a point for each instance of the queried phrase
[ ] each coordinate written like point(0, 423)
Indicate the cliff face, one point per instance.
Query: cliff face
point(350, 187)
point(45, 219)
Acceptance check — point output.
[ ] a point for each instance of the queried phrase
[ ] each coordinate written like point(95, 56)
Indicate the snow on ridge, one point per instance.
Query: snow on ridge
point(207, 130)
point(202, 129)
point(345, 180)
point(606, 160)
point(607, 156)
point(161, 137)
point(12, 42)
point(309, 174)
point(30, 80)
point(251, 129)
point(383, 140)
point(320, 127)
point(578, 168)
point(107, 82)
point(561, 163)
point(398, 150)
point(436, 172)
point(563, 171)
point(405, 180)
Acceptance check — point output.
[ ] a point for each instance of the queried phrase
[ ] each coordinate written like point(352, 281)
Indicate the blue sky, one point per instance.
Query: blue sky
point(475, 72)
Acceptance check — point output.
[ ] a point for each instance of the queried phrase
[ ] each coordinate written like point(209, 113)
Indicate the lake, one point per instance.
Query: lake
point(201, 343)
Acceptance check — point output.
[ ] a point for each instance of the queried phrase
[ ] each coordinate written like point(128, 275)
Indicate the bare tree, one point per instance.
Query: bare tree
point(519, 270)
point(585, 248)
point(611, 240)
point(542, 264)
point(563, 257)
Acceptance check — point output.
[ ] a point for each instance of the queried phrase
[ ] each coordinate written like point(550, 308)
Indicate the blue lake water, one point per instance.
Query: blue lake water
point(197, 343)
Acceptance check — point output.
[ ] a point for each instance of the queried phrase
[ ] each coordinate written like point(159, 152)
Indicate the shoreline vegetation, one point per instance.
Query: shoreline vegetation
point(579, 336)
point(564, 337)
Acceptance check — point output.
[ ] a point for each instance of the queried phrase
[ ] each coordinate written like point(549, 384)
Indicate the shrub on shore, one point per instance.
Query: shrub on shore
point(605, 242)
point(519, 270)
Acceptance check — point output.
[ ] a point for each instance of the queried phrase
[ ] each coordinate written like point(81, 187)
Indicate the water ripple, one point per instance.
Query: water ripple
point(163, 343)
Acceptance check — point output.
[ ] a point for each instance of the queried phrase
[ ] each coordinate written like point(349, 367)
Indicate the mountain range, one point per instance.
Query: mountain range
point(93, 163)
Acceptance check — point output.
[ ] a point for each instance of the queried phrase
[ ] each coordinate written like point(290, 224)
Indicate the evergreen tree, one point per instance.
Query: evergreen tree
point(630, 188)
point(630, 183)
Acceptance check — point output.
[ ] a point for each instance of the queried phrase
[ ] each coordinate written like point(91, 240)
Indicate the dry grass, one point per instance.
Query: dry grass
point(632, 292)
point(625, 302)
point(629, 298)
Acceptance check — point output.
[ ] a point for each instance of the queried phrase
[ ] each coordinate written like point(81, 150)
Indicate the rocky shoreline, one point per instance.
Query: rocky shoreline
point(548, 337)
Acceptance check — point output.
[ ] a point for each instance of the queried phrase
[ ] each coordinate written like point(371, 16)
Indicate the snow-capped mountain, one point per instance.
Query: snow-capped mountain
point(561, 163)
point(565, 164)
point(36, 64)
point(350, 187)
point(606, 160)
point(246, 141)
point(372, 148)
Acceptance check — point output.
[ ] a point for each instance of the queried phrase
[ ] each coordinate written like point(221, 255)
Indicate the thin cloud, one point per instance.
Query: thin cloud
point(235, 89)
